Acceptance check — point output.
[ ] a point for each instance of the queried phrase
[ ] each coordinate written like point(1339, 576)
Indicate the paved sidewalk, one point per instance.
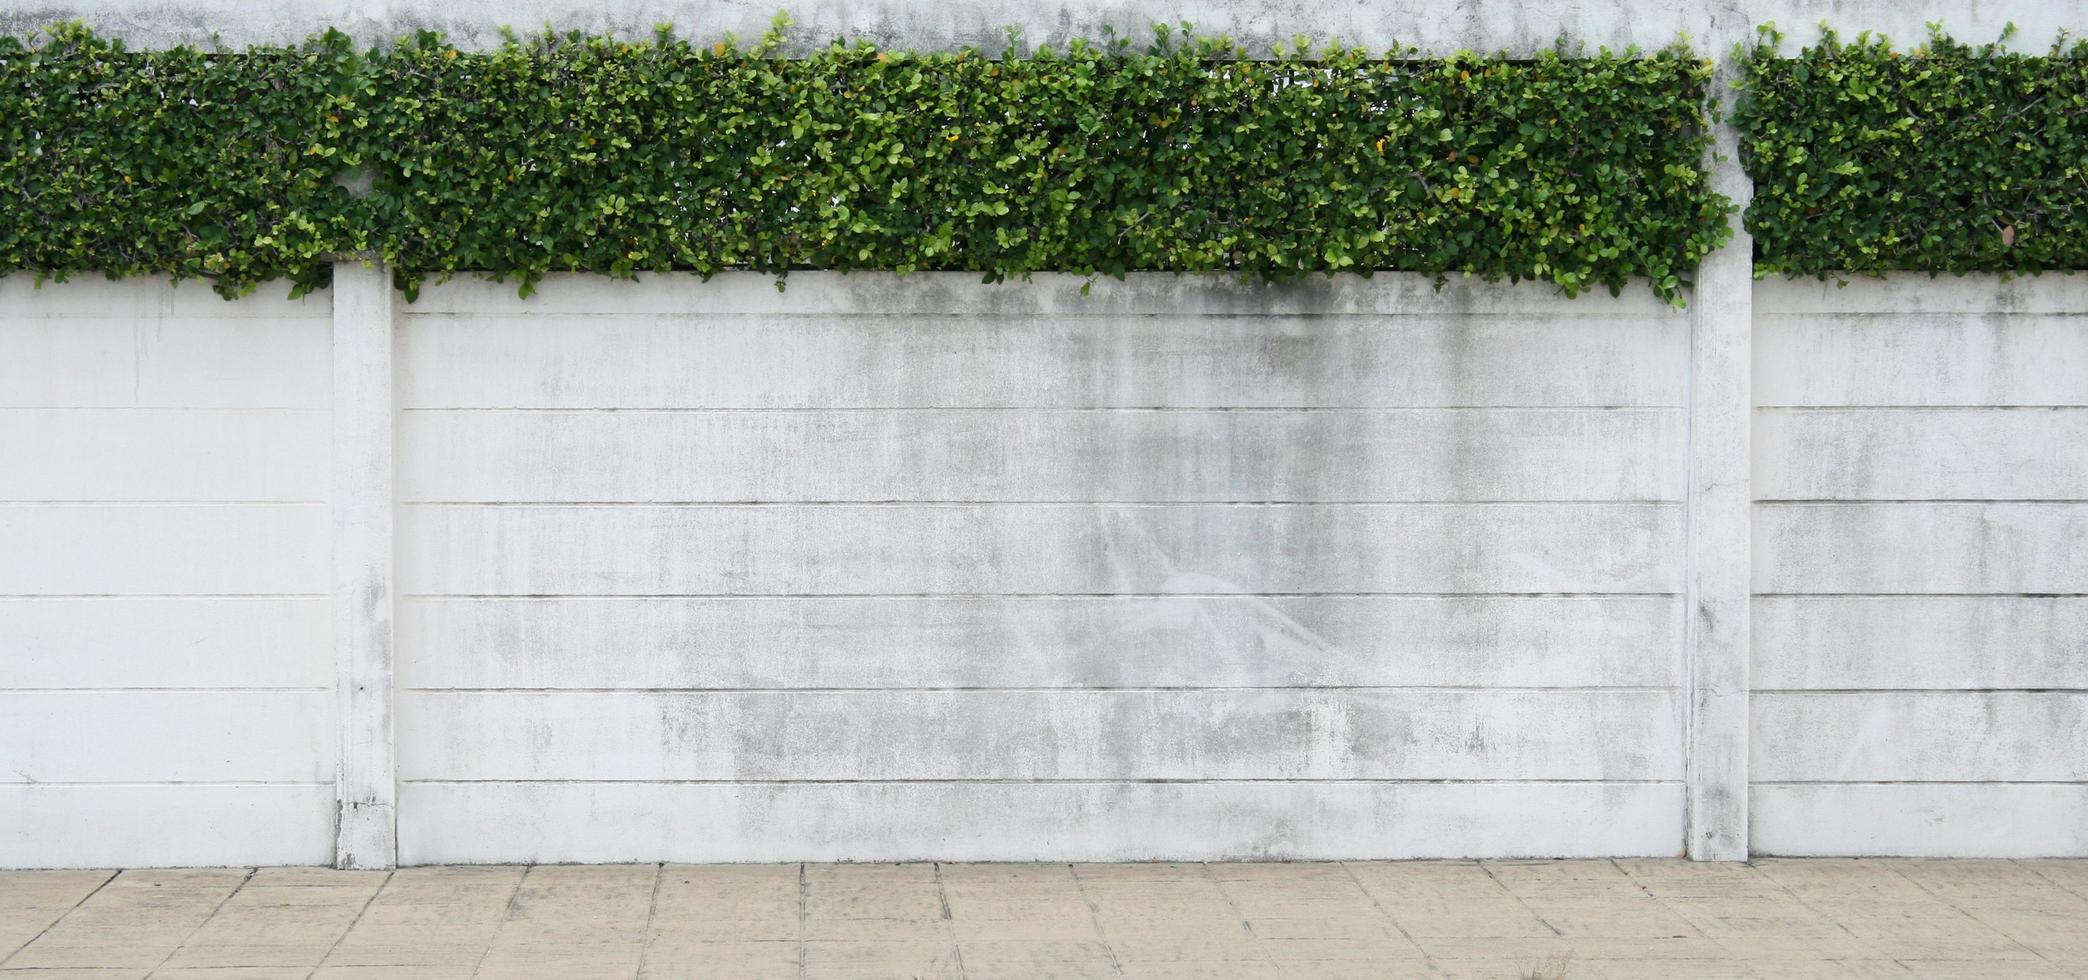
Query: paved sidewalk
point(1496, 919)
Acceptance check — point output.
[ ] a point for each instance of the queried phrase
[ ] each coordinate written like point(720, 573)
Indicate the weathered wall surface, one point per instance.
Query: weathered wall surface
point(889, 567)
point(1921, 561)
point(165, 674)
point(885, 568)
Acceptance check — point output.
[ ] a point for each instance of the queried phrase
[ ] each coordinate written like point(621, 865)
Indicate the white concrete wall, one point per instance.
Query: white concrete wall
point(165, 669)
point(1921, 562)
point(884, 568)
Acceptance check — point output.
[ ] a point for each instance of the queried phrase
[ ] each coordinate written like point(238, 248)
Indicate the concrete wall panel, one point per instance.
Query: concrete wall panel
point(1319, 545)
point(1989, 819)
point(166, 824)
point(1054, 455)
point(1231, 733)
point(1922, 454)
point(971, 821)
point(1854, 359)
point(1081, 549)
point(1919, 664)
point(167, 736)
point(879, 568)
point(1067, 356)
point(207, 454)
point(1241, 640)
point(1922, 547)
point(165, 678)
point(153, 642)
point(164, 549)
point(1921, 736)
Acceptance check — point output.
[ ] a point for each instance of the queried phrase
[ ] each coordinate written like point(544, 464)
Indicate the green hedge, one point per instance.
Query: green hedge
point(586, 153)
point(1948, 158)
point(177, 162)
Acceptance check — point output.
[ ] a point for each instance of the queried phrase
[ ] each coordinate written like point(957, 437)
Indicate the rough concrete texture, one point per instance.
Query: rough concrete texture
point(1002, 541)
point(871, 568)
point(1921, 546)
point(1498, 920)
point(921, 568)
point(361, 503)
point(1434, 25)
point(167, 680)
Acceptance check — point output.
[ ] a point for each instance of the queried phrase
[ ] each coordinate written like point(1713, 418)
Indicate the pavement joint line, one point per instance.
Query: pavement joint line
point(508, 912)
point(652, 908)
point(1519, 900)
point(1426, 956)
point(942, 896)
point(1116, 966)
point(214, 910)
point(2054, 882)
point(1218, 886)
point(60, 917)
point(1663, 903)
point(1894, 867)
point(1814, 909)
point(1685, 910)
point(359, 913)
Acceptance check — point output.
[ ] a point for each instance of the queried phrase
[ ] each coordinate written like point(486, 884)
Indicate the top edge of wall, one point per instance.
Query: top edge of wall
point(1921, 293)
point(149, 296)
point(1043, 294)
point(1435, 26)
point(865, 293)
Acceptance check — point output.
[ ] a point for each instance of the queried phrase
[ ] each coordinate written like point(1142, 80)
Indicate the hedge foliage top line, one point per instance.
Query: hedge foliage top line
point(568, 152)
point(1946, 158)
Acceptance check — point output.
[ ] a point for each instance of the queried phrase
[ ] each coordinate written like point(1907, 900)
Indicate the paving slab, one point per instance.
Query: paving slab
point(1516, 920)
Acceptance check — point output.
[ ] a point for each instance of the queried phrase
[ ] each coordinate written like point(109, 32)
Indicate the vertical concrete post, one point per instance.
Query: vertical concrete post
point(1718, 592)
point(366, 832)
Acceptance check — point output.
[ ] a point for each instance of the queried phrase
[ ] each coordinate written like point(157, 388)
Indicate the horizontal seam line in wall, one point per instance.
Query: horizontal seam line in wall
point(167, 690)
point(122, 502)
point(1944, 691)
point(75, 784)
point(1887, 316)
point(1039, 689)
point(1055, 782)
point(169, 409)
point(1019, 595)
point(695, 319)
point(160, 318)
point(607, 504)
point(1144, 409)
point(1851, 502)
point(1920, 595)
point(162, 503)
point(1966, 408)
point(1920, 782)
point(164, 595)
point(1890, 596)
